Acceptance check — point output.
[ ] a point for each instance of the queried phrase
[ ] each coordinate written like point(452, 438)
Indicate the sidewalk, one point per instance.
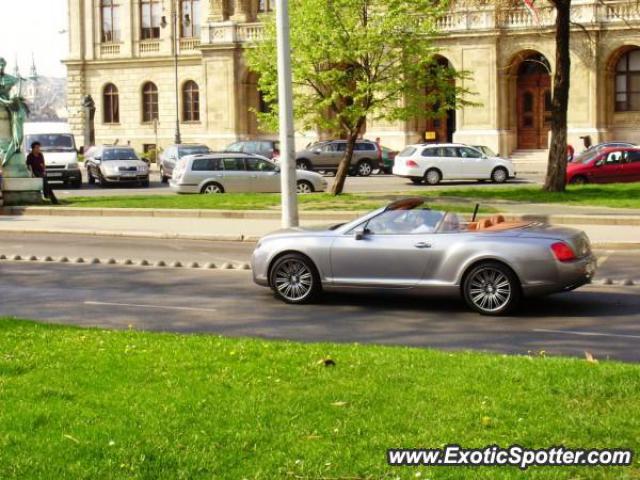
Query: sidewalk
point(235, 229)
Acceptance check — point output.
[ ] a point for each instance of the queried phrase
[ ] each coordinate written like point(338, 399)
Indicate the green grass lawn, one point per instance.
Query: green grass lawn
point(251, 201)
point(457, 199)
point(94, 404)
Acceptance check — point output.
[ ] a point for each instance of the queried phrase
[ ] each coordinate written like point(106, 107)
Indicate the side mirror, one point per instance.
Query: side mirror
point(98, 159)
point(277, 170)
point(316, 151)
point(360, 234)
point(599, 163)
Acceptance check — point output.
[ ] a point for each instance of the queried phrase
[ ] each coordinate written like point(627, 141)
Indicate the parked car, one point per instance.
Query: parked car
point(609, 165)
point(326, 156)
point(266, 148)
point(432, 163)
point(115, 165)
point(233, 172)
point(599, 147)
point(173, 153)
point(406, 247)
point(59, 148)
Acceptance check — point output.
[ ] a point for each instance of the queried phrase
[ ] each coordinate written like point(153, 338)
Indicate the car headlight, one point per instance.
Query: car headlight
point(143, 169)
point(72, 165)
point(108, 170)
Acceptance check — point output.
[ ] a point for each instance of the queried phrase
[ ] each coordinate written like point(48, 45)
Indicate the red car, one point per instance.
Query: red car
point(609, 165)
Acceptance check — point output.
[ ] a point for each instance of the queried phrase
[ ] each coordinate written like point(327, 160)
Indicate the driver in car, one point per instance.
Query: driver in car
point(424, 221)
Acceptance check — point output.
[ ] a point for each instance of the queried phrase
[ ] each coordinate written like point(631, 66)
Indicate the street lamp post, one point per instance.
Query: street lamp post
point(285, 99)
point(175, 38)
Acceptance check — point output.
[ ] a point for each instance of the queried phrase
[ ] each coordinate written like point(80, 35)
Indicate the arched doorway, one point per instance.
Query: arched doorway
point(533, 102)
point(432, 128)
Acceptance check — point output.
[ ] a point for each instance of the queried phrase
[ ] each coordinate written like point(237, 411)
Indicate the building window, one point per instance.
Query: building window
point(150, 18)
point(628, 82)
point(190, 102)
point(265, 6)
point(190, 26)
point(149, 102)
point(110, 13)
point(111, 104)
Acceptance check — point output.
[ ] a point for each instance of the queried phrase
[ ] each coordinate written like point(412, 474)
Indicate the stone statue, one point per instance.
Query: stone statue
point(89, 106)
point(13, 161)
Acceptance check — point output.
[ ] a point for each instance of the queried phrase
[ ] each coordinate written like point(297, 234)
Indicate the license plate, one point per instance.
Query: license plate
point(128, 174)
point(54, 175)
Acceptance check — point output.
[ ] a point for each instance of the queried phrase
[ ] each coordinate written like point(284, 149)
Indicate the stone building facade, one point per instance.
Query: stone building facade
point(122, 53)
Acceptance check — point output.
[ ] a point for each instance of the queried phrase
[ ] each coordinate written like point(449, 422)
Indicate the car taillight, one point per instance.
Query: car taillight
point(411, 164)
point(563, 252)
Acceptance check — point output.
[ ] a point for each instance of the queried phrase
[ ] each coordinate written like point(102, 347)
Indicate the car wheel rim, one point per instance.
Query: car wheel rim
point(365, 169)
point(433, 177)
point(211, 189)
point(304, 188)
point(293, 280)
point(499, 176)
point(302, 166)
point(490, 290)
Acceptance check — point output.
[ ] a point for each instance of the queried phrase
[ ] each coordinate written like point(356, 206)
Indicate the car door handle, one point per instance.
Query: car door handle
point(422, 245)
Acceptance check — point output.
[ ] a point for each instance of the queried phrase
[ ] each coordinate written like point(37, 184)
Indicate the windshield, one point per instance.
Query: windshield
point(399, 222)
point(193, 150)
point(119, 154)
point(586, 157)
point(52, 142)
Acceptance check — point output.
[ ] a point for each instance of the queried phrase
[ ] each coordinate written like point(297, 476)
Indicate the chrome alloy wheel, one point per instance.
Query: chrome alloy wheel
point(490, 290)
point(364, 169)
point(293, 280)
point(212, 189)
point(304, 187)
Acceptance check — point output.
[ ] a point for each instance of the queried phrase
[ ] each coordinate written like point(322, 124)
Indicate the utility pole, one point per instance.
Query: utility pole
point(176, 18)
point(285, 100)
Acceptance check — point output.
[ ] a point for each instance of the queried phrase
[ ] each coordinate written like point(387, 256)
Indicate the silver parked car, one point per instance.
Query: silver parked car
point(170, 156)
point(326, 156)
point(230, 172)
point(111, 165)
point(407, 247)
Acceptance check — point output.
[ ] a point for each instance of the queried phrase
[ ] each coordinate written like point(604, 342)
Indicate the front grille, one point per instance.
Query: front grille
point(56, 167)
point(128, 169)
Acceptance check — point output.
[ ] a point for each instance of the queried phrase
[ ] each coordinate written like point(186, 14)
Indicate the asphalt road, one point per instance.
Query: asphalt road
point(602, 320)
point(617, 265)
point(372, 184)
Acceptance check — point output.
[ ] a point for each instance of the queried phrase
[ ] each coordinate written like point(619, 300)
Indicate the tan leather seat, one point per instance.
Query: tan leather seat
point(496, 219)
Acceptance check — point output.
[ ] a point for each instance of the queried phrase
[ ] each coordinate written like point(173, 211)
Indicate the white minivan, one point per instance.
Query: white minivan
point(432, 163)
point(59, 149)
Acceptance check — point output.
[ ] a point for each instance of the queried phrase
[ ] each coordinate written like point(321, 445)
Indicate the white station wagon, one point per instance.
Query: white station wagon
point(432, 163)
point(233, 172)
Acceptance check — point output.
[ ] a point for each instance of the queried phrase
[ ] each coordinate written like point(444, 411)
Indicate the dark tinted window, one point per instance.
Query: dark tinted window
point(206, 165)
point(259, 165)
point(341, 147)
point(233, 164)
point(119, 154)
point(466, 152)
point(193, 150)
point(430, 152)
point(365, 147)
point(633, 156)
point(614, 158)
point(447, 152)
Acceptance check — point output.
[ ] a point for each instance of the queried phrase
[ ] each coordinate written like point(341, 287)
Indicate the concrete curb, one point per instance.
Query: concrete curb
point(338, 216)
point(235, 238)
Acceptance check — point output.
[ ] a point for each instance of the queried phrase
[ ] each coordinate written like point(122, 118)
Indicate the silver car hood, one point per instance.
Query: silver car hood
point(316, 231)
point(123, 163)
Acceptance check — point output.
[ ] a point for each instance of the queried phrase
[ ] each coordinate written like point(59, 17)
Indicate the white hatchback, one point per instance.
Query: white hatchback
point(432, 163)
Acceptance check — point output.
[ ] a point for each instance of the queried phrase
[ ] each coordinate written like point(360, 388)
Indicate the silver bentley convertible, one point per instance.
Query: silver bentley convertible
point(406, 246)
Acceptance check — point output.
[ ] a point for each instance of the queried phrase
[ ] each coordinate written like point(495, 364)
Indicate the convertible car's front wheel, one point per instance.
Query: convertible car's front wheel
point(295, 279)
point(491, 288)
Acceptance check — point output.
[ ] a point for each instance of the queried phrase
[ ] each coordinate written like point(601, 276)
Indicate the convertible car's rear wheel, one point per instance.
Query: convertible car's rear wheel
point(294, 279)
point(491, 288)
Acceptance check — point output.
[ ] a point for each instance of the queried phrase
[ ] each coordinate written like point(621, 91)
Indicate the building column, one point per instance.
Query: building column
point(243, 12)
point(218, 10)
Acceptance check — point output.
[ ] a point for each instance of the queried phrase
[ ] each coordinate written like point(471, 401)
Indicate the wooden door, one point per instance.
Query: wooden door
point(534, 111)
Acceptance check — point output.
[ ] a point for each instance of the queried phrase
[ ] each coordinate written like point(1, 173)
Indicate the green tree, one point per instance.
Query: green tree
point(359, 60)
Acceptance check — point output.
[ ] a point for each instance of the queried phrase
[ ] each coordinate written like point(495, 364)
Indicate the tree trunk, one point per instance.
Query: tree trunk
point(345, 164)
point(557, 167)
